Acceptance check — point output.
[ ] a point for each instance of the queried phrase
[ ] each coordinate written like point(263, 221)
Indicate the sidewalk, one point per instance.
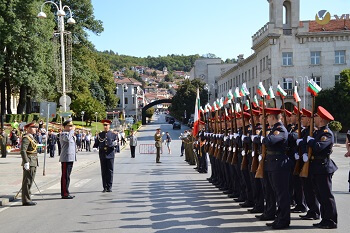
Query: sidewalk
point(11, 172)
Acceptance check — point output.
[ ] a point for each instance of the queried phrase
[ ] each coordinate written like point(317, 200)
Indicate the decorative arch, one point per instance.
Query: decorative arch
point(169, 101)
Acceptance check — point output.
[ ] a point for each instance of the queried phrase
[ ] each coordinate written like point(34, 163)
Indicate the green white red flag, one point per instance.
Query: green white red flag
point(281, 92)
point(256, 100)
point(244, 91)
point(270, 95)
point(196, 115)
point(236, 93)
point(313, 88)
point(229, 96)
point(238, 107)
point(261, 90)
point(296, 95)
point(247, 105)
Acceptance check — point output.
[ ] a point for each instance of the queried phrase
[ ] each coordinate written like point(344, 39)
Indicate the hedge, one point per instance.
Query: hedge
point(28, 118)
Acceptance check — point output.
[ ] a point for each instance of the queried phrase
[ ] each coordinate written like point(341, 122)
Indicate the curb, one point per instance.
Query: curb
point(6, 199)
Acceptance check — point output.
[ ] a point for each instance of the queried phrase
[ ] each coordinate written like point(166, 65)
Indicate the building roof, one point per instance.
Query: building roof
point(333, 25)
point(130, 81)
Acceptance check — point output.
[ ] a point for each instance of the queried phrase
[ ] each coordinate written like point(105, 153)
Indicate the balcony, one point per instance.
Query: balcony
point(289, 93)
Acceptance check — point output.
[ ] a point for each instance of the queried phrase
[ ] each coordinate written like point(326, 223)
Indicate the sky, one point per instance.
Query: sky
point(144, 28)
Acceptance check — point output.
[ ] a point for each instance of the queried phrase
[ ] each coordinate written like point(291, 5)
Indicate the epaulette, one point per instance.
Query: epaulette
point(326, 131)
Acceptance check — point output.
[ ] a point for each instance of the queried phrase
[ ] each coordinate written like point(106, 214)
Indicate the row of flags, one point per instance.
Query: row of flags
point(313, 88)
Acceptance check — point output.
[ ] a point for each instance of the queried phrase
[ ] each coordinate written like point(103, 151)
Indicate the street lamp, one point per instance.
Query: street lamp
point(136, 106)
point(207, 87)
point(60, 13)
point(96, 113)
point(82, 118)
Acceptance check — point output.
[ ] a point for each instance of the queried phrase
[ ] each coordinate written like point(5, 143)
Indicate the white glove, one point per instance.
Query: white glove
point(115, 143)
point(253, 136)
point(305, 158)
point(163, 133)
point(296, 156)
point(235, 135)
point(309, 138)
point(260, 158)
point(243, 136)
point(298, 141)
point(243, 153)
point(234, 149)
point(26, 166)
point(253, 153)
point(94, 149)
point(261, 139)
point(230, 148)
point(225, 138)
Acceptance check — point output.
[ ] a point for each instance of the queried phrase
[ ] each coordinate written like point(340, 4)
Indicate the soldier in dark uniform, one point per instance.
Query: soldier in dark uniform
point(322, 168)
point(158, 143)
point(29, 162)
point(106, 141)
point(310, 196)
point(277, 167)
point(51, 143)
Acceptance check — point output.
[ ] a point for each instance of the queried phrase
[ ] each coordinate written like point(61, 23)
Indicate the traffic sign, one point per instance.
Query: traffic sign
point(68, 100)
point(44, 109)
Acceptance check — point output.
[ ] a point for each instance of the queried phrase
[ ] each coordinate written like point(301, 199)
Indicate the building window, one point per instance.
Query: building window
point(133, 100)
point(317, 80)
point(264, 68)
point(340, 57)
point(126, 100)
point(260, 66)
point(287, 83)
point(253, 73)
point(315, 58)
point(337, 78)
point(267, 62)
point(287, 59)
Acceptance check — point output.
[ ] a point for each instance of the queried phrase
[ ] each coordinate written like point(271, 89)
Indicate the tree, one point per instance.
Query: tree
point(149, 112)
point(185, 97)
point(169, 78)
point(336, 99)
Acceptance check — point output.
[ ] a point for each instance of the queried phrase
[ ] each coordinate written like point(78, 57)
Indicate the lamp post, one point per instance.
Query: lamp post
point(82, 118)
point(96, 113)
point(207, 87)
point(136, 106)
point(60, 14)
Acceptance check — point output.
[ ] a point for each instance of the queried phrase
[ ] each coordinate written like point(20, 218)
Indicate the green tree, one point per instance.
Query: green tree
point(149, 112)
point(169, 78)
point(185, 97)
point(336, 99)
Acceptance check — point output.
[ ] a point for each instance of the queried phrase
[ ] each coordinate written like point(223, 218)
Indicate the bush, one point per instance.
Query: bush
point(335, 126)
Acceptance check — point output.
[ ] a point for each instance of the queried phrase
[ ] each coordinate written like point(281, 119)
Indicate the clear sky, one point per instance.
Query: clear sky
point(160, 27)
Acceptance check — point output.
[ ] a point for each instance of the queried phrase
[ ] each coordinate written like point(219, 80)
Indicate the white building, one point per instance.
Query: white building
point(287, 50)
point(209, 70)
point(131, 96)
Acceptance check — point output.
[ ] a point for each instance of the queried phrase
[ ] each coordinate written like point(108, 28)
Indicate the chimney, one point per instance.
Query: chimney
point(240, 57)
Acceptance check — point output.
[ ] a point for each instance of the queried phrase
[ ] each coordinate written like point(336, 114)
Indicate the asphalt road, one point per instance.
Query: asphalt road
point(148, 197)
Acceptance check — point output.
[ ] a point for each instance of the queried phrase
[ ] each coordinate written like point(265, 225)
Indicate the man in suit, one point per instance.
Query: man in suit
point(4, 141)
point(51, 143)
point(322, 168)
point(29, 162)
point(106, 141)
point(67, 157)
point(133, 143)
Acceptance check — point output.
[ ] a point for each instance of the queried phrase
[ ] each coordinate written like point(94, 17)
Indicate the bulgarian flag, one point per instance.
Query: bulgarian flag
point(244, 91)
point(281, 92)
point(238, 107)
point(270, 95)
point(236, 94)
point(229, 96)
point(247, 105)
point(196, 115)
point(215, 106)
point(296, 95)
point(207, 107)
point(313, 88)
point(261, 90)
point(256, 100)
point(201, 110)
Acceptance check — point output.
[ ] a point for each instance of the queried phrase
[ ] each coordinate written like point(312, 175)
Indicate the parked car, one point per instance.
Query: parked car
point(171, 120)
point(177, 125)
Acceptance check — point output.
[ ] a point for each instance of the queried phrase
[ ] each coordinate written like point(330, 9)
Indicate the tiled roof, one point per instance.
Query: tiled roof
point(333, 25)
point(128, 81)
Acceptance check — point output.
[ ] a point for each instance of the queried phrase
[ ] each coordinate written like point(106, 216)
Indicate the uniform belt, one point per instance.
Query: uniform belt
point(270, 152)
point(313, 157)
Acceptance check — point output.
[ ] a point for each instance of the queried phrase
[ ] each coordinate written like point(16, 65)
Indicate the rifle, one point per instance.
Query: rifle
point(216, 147)
point(234, 145)
point(244, 164)
point(255, 161)
point(297, 164)
point(260, 170)
point(219, 155)
point(305, 170)
point(225, 149)
point(230, 153)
